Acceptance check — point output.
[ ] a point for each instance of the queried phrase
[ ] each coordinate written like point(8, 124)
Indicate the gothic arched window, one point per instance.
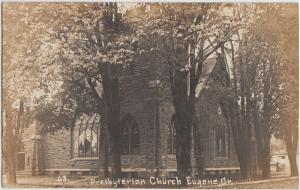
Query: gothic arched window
point(220, 143)
point(172, 137)
point(88, 136)
point(130, 137)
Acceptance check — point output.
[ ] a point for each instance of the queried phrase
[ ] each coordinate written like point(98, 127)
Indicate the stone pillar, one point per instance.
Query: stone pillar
point(38, 156)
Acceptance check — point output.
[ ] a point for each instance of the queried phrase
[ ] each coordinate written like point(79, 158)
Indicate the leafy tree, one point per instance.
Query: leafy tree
point(90, 49)
point(258, 89)
point(287, 30)
point(17, 84)
point(182, 37)
point(75, 55)
point(270, 88)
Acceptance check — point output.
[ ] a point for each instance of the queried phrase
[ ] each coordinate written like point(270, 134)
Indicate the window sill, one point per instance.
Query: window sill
point(221, 157)
point(85, 158)
point(131, 155)
point(171, 155)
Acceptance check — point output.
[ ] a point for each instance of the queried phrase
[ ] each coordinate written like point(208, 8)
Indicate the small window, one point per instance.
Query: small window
point(220, 143)
point(125, 140)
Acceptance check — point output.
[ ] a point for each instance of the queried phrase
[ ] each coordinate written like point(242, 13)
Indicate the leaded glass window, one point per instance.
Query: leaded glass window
point(172, 137)
point(88, 134)
point(130, 137)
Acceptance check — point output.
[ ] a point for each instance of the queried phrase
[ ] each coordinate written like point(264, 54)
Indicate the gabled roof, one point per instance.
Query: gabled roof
point(207, 69)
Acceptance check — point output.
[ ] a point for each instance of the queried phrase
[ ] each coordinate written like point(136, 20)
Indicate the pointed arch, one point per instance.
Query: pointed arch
point(220, 141)
point(88, 134)
point(172, 136)
point(130, 136)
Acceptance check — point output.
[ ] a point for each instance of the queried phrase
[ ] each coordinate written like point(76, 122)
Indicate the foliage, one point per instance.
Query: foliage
point(258, 84)
point(56, 56)
point(70, 42)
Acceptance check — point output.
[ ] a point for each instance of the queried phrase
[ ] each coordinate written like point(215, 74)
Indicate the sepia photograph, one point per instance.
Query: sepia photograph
point(190, 95)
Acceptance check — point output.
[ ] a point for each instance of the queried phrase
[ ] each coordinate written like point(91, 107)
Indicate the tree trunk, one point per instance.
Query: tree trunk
point(245, 158)
point(266, 168)
point(184, 112)
point(235, 116)
point(10, 160)
point(113, 116)
point(291, 141)
point(266, 171)
point(11, 164)
point(293, 162)
point(245, 167)
point(9, 146)
point(241, 139)
point(106, 141)
point(106, 162)
point(110, 83)
point(265, 155)
point(11, 170)
point(258, 134)
point(266, 122)
point(182, 148)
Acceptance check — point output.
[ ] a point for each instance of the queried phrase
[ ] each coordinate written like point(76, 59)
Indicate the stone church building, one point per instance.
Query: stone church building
point(147, 132)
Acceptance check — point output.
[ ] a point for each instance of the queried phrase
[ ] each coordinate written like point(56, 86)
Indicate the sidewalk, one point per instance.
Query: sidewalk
point(275, 183)
point(85, 182)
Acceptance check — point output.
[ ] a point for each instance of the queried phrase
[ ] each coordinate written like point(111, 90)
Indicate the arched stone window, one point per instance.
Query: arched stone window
point(88, 135)
point(220, 140)
point(172, 137)
point(130, 136)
